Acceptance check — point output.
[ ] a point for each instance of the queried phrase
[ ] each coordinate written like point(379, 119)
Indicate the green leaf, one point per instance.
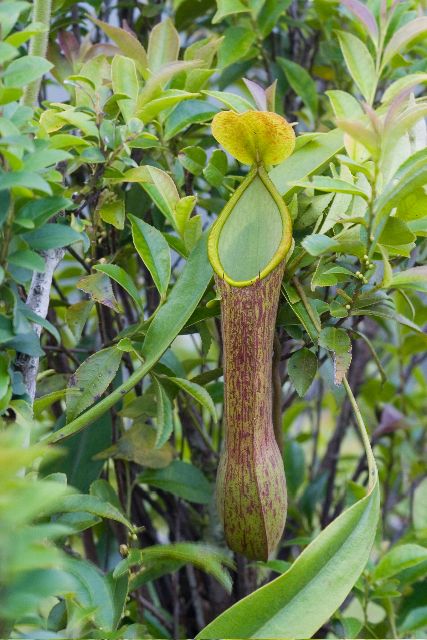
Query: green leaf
point(92, 378)
point(198, 393)
point(414, 279)
point(333, 185)
point(231, 100)
point(153, 251)
point(52, 236)
point(203, 556)
point(94, 505)
point(98, 286)
point(360, 64)
point(306, 160)
point(405, 35)
point(41, 209)
point(127, 42)
point(138, 444)
point(228, 7)
point(302, 368)
point(167, 323)
point(27, 179)
point(163, 45)
point(164, 417)
point(411, 175)
point(168, 98)
point(21, 72)
point(337, 341)
point(296, 604)
point(193, 159)
point(179, 306)
point(159, 186)
point(414, 620)
point(237, 43)
point(188, 113)
point(397, 559)
point(28, 260)
point(111, 208)
point(420, 507)
point(299, 602)
point(182, 479)
point(293, 459)
point(92, 591)
point(216, 168)
point(301, 83)
point(120, 276)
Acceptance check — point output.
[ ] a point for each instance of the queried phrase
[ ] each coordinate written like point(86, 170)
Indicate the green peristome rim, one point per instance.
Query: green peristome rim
point(286, 239)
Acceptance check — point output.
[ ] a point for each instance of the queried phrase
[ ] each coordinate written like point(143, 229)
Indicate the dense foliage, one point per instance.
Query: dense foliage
point(110, 345)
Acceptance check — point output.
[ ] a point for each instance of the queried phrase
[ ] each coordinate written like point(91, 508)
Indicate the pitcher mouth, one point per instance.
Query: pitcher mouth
point(257, 171)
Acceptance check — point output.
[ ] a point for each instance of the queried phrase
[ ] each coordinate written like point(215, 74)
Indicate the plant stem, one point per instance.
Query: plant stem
point(38, 47)
point(372, 469)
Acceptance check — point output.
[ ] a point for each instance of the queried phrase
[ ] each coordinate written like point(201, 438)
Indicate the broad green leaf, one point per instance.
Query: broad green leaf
point(397, 559)
point(231, 100)
point(405, 35)
point(92, 378)
point(167, 323)
point(91, 504)
point(305, 160)
point(153, 251)
point(302, 368)
point(52, 236)
point(138, 444)
point(359, 63)
point(163, 45)
point(98, 286)
point(344, 104)
point(125, 81)
point(414, 279)
point(269, 15)
point(27, 179)
point(198, 393)
point(203, 556)
point(294, 461)
point(41, 209)
point(216, 168)
point(27, 259)
point(363, 16)
point(414, 620)
point(111, 208)
point(168, 98)
point(92, 591)
point(183, 211)
point(229, 7)
point(187, 113)
point(420, 507)
point(406, 82)
point(127, 42)
point(159, 186)
point(193, 159)
point(182, 479)
point(164, 417)
point(302, 84)
point(333, 185)
point(180, 304)
point(411, 175)
point(236, 44)
point(120, 276)
point(21, 72)
point(337, 341)
point(299, 602)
